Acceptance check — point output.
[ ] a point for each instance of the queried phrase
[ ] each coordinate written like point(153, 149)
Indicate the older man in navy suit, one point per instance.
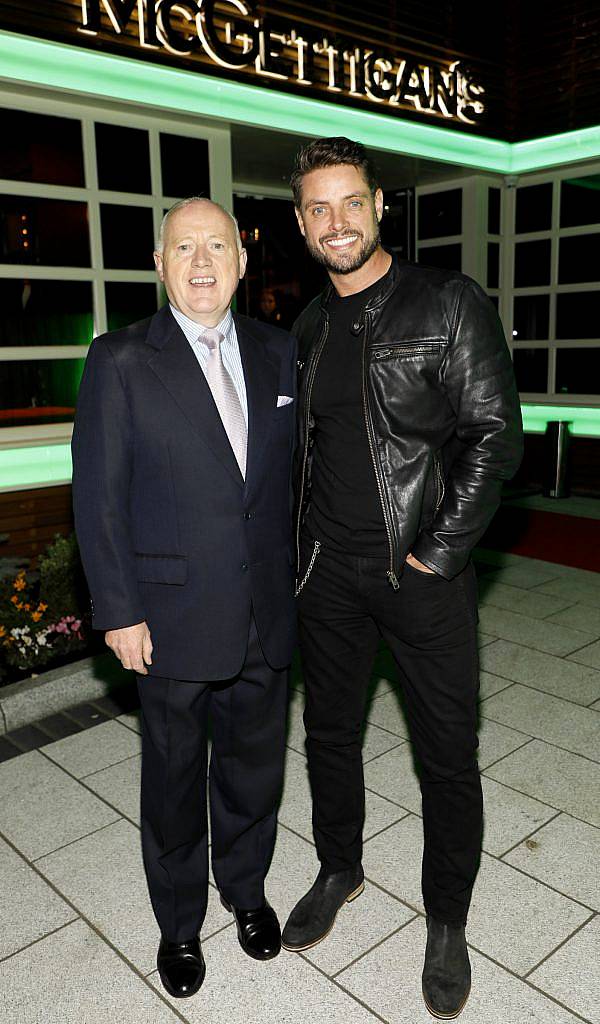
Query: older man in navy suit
point(181, 486)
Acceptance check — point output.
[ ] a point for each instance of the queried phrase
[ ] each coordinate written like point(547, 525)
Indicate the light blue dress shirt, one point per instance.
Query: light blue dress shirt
point(230, 350)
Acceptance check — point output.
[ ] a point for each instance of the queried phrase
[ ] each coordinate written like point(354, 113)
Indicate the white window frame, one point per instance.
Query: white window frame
point(509, 291)
point(87, 113)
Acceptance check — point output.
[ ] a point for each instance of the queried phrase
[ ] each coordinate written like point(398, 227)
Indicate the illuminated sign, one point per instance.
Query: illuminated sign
point(231, 34)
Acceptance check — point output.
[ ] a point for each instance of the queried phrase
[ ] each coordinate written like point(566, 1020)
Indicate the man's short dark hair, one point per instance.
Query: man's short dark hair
point(331, 153)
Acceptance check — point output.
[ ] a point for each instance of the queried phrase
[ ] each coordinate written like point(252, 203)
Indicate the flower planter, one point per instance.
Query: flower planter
point(30, 699)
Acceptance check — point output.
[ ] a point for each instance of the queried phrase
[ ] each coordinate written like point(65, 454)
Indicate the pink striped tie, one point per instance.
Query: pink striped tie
point(226, 397)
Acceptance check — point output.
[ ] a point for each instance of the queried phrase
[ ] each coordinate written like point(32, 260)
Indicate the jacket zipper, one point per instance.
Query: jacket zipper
point(401, 350)
point(441, 488)
point(309, 386)
point(391, 572)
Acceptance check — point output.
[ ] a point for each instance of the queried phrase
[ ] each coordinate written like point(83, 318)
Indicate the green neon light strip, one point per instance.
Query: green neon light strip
point(38, 62)
point(583, 420)
point(36, 466)
point(48, 464)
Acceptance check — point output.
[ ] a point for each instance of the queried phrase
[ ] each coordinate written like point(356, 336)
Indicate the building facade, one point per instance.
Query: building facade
point(111, 110)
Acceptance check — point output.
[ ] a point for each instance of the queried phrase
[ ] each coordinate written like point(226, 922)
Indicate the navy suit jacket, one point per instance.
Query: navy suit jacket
point(168, 530)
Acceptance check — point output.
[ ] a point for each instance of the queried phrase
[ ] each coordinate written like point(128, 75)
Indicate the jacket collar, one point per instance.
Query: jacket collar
point(174, 362)
point(389, 283)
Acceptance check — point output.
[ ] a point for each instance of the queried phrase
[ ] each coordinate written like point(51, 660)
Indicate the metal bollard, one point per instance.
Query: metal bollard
point(556, 460)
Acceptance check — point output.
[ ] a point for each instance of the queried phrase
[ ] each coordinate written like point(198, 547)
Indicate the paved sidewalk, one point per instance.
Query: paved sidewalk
point(77, 937)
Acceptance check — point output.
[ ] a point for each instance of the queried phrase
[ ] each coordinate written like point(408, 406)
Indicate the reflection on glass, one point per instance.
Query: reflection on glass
point(40, 148)
point(50, 232)
point(446, 257)
point(580, 201)
point(494, 195)
point(46, 312)
point(531, 317)
point(127, 237)
point(126, 303)
point(534, 208)
point(493, 264)
point(579, 259)
point(578, 371)
point(532, 263)
point(578, 315)
point(440, 213)
point(184, 163)
point(123, 158)
point(531, 370)
point(39, 391)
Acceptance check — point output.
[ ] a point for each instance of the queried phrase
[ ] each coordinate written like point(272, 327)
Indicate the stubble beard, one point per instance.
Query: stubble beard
point(341, 264)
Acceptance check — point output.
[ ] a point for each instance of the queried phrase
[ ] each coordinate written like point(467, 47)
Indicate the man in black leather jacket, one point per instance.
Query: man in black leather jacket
point(409, 423)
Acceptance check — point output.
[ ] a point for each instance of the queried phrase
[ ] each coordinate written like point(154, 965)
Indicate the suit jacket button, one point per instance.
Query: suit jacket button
point(244, 566)
point(247, 515)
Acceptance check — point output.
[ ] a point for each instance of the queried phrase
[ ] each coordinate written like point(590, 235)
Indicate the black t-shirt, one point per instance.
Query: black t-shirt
point(345, 511)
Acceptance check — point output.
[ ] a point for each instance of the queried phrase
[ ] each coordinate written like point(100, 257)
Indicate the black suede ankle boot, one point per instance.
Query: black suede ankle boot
point(447, 971)
point(314, 916)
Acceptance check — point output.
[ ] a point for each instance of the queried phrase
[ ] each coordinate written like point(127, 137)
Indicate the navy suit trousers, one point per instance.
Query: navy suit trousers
point(247, 720)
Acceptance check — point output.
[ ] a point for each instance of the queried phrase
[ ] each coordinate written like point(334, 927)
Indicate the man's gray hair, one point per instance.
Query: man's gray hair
point(180, 205)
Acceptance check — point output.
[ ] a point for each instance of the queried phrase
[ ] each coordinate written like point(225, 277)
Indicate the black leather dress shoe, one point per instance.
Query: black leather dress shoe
point(314, 916)
point(447, 971)
point(258, 930)
point(181, 967)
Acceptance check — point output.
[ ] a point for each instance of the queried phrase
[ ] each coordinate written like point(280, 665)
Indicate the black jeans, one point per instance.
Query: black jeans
point(429, 624)
point(246, 770)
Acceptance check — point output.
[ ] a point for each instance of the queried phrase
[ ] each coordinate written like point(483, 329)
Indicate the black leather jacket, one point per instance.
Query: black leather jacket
point(441, 411)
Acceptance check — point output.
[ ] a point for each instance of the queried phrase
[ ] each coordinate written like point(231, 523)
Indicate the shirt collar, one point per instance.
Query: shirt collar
point(193, 330)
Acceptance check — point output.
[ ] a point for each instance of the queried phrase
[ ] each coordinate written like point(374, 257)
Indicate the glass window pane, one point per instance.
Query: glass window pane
point(578, 315)
point(494, 195)
point(39, 148)
point(579, 259)
point(534, 208)
point(123, 159)
point(531, 317)
point(445, 257)
point(127, 237)
point(493, 265)
point(580, 201)
point(51, 232)
point(440, 213)
point(532, 263)
point(184, 163)
point(126, 303)
point(46, 312)
point(39, 391)
point(578, 371)
point(531, 369)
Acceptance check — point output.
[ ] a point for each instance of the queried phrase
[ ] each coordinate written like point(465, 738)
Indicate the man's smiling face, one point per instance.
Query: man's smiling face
point(200, 264)
point(339, 217)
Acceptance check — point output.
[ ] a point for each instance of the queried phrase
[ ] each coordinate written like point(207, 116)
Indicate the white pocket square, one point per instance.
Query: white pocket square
point(283, 400)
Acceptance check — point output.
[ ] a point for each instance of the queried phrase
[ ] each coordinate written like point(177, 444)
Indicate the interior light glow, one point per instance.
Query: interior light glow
point(79, 70)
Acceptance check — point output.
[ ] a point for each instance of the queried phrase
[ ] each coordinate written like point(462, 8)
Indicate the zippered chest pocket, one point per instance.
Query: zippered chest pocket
point(421, 348)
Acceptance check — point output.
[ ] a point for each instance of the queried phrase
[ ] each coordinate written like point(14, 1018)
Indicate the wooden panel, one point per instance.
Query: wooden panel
point(440, 31)
point(538, 61)
point(29, 520)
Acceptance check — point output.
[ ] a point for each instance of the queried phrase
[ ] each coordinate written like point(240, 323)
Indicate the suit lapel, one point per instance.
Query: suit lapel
point(176, 366)
point(261, 376)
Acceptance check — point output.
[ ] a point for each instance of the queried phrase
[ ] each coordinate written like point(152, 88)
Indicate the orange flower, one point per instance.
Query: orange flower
point(36, 616)
point(2, 631)
point(27, 607)
point(19, 583)
point(42, 607)
point(15, 599)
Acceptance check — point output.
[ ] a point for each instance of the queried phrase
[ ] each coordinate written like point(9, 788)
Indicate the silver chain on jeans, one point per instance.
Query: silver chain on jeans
point(304, 581)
